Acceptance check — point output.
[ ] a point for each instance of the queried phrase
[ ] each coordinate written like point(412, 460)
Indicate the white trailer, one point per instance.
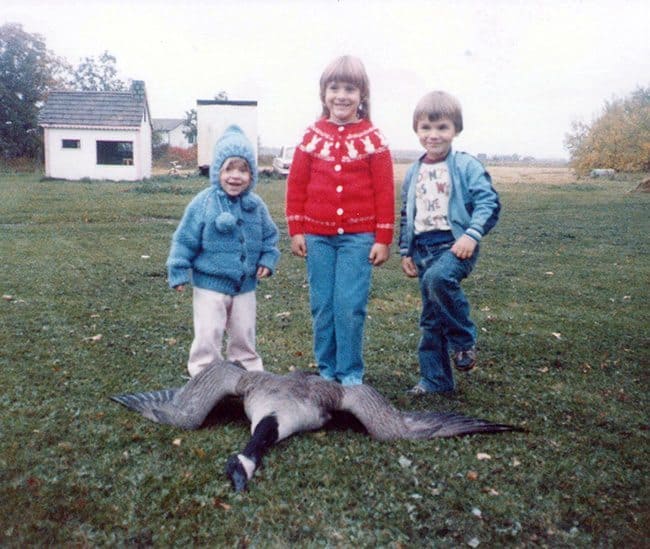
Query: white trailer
point(213, 116)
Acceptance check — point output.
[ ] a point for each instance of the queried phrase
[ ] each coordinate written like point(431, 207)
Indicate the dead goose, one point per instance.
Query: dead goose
point(281, 405)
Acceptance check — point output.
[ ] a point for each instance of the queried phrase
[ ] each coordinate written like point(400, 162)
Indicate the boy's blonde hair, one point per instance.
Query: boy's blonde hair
point(235, 162)
point(436, 105)
point(350, 70)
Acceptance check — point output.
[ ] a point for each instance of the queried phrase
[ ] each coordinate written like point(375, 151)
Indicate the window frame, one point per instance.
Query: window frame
point(108, 152)
point(70, 143)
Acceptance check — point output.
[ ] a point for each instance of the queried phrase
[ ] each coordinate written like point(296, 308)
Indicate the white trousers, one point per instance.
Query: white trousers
point(216, 314)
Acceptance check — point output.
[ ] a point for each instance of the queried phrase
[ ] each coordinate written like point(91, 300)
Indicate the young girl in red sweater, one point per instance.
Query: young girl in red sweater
point(340, 213)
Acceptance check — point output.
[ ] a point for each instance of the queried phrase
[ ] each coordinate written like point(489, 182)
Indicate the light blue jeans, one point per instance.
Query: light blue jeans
point(339, 275)
point(445, 323)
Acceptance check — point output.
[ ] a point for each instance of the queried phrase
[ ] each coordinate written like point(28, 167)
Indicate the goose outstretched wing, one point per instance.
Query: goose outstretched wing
point(385, 422)
point(188, 406)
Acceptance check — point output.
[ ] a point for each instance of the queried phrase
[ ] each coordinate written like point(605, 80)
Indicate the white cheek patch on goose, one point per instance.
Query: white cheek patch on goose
point(247, 464)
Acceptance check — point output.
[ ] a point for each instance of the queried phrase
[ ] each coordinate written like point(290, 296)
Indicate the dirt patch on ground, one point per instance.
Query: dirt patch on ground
point(643, 187)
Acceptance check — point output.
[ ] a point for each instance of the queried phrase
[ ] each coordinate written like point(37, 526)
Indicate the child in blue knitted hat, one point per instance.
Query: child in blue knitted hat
point(225, 242)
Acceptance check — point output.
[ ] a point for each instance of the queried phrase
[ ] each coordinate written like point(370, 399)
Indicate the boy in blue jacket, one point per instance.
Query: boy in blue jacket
point(227, 241)
point(448, 205)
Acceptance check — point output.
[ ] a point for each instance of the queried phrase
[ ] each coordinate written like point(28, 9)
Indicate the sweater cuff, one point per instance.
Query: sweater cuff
point(176, 277)
point(473, 233)
point(295, 227)
point(384, 236)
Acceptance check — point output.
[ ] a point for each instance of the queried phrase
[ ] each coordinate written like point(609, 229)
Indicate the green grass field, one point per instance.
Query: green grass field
point(560, 296)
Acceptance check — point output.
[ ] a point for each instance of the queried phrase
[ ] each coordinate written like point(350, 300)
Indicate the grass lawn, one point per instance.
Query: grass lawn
point(560, 297)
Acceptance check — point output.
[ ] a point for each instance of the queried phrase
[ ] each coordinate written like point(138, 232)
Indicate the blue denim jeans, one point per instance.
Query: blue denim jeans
point(339, 276)
point(445, 323)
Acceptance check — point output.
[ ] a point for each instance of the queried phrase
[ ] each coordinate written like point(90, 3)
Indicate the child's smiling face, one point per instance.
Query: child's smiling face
point(436, 137)
point(342, 100)
point(235, 176)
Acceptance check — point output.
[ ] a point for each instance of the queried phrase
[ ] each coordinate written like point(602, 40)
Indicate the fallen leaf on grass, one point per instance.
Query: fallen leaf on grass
point(474, 542)
point(284, 314)
point(218, 503)
point(557, 335)
point(471, 475)
point(94, 339)
point(177, 441)
point(482, 456)
point(404, 462)
point(8, 297)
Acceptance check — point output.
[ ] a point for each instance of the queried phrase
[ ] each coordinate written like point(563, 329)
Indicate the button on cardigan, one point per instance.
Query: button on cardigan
point(341, 181)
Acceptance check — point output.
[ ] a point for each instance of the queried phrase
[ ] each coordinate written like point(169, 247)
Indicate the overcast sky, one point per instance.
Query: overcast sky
point(523, 70)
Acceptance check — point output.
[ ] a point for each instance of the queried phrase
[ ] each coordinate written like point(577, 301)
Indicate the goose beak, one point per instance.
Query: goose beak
point(236, 473)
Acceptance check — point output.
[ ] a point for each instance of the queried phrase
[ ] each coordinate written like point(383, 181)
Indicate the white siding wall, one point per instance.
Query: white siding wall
point(81, 163)
point(212, 120)
point(143, 158)
point(177, 138)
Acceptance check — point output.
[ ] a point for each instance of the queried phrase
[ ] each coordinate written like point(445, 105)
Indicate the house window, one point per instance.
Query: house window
point(70, 144)
point(115, 152)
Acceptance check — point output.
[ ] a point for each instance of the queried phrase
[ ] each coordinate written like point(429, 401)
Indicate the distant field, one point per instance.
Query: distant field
point(560, 297)
point(516, 174)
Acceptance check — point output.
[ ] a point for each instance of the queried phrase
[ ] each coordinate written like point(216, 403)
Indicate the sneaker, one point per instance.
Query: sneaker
point(417, 390)
point(464, 361)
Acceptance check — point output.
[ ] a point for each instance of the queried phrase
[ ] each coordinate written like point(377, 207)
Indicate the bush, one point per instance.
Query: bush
point(187, 157)
point(21, 164)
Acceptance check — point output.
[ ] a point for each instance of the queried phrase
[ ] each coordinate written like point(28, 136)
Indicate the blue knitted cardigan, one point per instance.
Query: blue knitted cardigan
point(221, 241)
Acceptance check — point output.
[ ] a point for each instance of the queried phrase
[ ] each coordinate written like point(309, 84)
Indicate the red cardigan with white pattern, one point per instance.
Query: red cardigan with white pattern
point(341, 181)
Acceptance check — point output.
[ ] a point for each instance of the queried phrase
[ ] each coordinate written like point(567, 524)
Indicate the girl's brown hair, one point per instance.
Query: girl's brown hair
point(350, 70)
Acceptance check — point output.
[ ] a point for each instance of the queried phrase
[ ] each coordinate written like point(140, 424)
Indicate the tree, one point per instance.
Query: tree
point(190, 126)
point(28, 70)
point(100, 74)
point(619, 138)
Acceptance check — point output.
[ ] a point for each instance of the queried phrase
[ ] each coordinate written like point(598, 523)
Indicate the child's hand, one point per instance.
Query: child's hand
point(379, 254)
point(298, 245)
point(409, 268)
point(180, 288)
point(263, 272)
point(464, 247)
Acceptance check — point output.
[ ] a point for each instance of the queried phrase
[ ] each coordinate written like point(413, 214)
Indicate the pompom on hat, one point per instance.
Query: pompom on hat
point(233, 142)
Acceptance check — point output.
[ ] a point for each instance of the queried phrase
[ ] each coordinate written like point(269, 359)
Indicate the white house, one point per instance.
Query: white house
point(214, 116)
point(97, 135)
point(171, 132)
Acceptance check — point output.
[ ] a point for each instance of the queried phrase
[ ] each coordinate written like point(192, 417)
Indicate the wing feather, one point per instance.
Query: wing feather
point(188, 406)
point(384, 422)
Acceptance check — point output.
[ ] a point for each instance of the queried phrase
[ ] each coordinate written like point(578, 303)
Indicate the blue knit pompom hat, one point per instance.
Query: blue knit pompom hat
point(233, 142)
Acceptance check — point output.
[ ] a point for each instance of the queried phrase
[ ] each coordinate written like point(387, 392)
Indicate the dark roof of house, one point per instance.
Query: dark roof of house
point(238, 103)
point(166, 124)
point(93, 108)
